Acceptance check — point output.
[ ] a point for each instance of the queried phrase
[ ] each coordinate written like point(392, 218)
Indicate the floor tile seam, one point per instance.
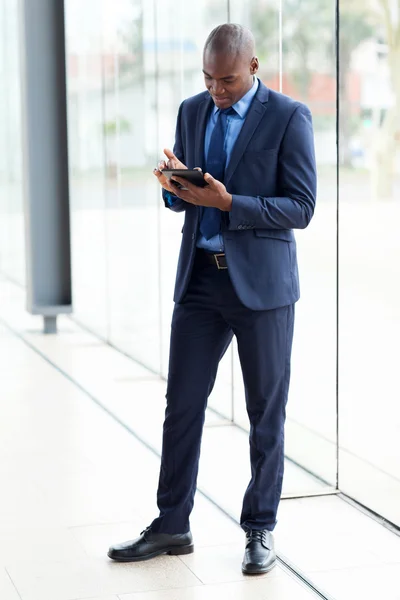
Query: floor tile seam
point(12, 582)
point(371, 514)
point(79, 543)
point(111, 345)
point(303, 579)
point(311, 570)
point(191, 570)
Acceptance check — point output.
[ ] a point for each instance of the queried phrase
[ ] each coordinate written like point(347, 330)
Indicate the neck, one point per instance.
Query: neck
point(250, 85)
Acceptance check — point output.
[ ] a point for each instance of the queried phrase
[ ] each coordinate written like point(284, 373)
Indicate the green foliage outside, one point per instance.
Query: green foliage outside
point(121, 125)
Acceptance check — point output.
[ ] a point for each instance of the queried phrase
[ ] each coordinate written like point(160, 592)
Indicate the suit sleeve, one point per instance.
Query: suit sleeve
point(297, 182)
point(173, 202)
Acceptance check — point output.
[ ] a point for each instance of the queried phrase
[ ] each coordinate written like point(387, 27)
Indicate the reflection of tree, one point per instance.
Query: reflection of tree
point(308, 46)
point(388, 137)
point(307, 37)
point(130, 64)
point(354, 27)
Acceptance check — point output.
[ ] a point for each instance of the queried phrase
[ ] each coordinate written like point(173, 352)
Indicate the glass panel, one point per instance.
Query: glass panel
point(132, 192)
point(369, 467)
point(308, 75)
point(180, 36)
point(86, 162)
point(12, 243)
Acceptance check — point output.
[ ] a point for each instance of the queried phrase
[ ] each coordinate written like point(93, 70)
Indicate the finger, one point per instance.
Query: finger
point(164, 181)
point(190, 187)
point(197, 169)
point(189, 194)
point(213, 183)
point(169, 154)
point(159, 174)
point(183, 194)
point(162, 165)
point(173, 161)
point(187, 184)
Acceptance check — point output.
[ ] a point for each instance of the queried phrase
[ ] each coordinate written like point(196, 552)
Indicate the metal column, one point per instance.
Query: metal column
point(44, 126)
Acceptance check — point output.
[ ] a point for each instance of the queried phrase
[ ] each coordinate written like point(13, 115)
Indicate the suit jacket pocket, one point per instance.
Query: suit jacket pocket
point(261, 151)
point(286, 235)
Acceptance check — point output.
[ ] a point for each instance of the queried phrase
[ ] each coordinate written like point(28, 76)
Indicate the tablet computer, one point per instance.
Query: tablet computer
point(193, 175)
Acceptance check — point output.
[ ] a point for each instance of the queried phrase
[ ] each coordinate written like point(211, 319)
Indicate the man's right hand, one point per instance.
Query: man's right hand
point(172, 163)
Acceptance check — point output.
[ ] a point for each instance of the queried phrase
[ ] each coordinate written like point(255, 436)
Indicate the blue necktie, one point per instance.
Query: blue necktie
point(210, 224)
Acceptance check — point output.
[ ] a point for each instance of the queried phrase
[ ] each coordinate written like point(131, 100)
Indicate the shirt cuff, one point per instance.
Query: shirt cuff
point(170, 198)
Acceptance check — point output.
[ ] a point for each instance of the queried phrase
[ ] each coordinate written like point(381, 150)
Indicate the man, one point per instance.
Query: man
point(237, 275)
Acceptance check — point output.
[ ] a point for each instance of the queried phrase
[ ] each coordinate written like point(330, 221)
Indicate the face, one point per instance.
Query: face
point(228, 78)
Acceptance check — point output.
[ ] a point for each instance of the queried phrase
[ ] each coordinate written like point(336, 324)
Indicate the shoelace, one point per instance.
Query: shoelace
point(145, 531)
point(257, 535)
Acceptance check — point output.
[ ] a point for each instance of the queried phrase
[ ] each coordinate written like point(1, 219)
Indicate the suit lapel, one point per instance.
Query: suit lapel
point(201, 123)
point(256, 112)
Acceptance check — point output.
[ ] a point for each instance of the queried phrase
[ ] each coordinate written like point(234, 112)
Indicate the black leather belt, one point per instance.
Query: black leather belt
point(217, 260)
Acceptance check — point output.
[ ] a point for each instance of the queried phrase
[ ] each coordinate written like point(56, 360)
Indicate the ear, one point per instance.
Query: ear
point(254, 65)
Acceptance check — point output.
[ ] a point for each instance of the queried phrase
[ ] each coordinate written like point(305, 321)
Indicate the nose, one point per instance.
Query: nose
point(217, 89)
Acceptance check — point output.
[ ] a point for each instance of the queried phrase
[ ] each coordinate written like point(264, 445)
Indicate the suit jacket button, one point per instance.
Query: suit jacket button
point(193, 236)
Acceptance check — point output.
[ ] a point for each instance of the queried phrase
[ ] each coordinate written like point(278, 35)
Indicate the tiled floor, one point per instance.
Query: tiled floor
point(76, 481)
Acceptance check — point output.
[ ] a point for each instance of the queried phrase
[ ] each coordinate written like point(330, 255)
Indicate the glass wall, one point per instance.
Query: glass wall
point(369, 284)
point(12, 257)
point(132, 202)
point(296, 62)
point(130, 64)
point(87, 162)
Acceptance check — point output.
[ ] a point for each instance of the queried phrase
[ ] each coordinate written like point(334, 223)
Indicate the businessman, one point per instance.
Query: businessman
point(237, 275)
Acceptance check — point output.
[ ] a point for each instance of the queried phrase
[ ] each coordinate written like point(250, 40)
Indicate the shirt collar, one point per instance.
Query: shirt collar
point(243, 105)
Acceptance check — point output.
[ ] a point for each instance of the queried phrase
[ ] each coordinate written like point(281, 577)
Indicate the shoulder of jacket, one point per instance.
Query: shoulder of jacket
point(286, 103)
point(194, 101)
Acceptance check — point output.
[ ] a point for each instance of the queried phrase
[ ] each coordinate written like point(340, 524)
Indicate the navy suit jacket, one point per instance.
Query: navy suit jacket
point(272, 178)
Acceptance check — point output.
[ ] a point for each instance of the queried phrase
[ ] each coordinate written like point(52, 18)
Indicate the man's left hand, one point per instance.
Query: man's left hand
point(214, 194)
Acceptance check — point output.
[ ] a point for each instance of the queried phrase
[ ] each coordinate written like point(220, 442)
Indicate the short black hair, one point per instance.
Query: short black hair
point(231, 39)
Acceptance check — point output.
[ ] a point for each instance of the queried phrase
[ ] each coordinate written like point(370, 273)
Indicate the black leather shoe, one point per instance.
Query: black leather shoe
point(150, 544)
point(259, 556)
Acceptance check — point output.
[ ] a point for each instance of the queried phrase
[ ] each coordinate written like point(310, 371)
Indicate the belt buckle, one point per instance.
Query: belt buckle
point(216, 257)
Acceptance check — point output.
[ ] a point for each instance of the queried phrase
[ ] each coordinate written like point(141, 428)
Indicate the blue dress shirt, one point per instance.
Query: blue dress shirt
point(234, 126)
